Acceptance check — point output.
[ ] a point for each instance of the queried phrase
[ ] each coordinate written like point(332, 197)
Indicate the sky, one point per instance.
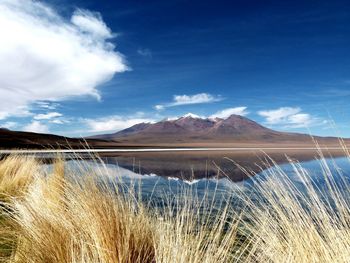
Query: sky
point(78, 68)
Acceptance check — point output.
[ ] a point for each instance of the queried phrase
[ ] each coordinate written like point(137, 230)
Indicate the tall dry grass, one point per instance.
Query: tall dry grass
point(304, 220)
point(70, 217)
point(16, 174)
point(75, 215)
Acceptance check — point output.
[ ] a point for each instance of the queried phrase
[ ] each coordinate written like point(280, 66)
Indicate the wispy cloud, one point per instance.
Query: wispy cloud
point(228, 112)
point(290, 117)
point(36, 126)
point(46, 105)
point(145, 52)
point(60, 121)
point(329, 93)
point(113, 123)
point(50, 58)
point(47, 116)
point(91, 23)
point(189, 99)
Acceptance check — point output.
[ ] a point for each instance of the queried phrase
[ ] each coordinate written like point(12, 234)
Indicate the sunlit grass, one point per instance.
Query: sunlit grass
point(16, 174)
point(67, 217)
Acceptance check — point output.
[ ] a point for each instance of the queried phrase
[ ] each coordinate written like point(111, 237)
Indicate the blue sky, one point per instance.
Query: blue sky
point(112, 64)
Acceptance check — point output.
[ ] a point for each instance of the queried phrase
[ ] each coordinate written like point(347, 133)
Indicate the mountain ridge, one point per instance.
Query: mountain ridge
point(192, 128)
point(186, 131)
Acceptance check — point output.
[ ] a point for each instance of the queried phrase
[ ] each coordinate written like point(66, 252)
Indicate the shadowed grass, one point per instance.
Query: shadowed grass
point(16, 174)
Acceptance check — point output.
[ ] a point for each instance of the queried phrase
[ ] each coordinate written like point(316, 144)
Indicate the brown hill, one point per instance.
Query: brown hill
point(195, 130)
point(30, 140)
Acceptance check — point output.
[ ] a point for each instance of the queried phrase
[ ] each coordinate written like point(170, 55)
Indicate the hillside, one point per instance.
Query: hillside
point(194, 130)
point(17, 139)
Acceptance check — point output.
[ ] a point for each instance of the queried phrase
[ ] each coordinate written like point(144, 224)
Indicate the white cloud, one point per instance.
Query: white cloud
point(36, 126)
point(113, 123)
point(189, 99)
point(159, 107)
point(48, 58)
point(228, 112)
point(290, 117)
point(47, 116)
point(15, 112)
point(278, 116)
point(301, 120)
point(195, 99)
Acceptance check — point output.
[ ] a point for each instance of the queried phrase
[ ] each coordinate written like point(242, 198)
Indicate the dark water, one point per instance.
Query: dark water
point(168, 178)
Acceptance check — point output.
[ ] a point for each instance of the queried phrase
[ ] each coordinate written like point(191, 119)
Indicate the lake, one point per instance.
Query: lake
point(209, 173)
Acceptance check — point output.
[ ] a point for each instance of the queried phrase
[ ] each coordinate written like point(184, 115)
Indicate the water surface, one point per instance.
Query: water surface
point(166, 174)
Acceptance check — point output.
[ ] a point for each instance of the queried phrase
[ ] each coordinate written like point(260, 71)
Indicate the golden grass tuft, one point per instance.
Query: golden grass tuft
point(69, 217)
point(61, 220)
point(16, 174)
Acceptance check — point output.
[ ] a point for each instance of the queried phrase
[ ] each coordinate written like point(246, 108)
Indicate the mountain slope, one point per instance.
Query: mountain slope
point(191, 129)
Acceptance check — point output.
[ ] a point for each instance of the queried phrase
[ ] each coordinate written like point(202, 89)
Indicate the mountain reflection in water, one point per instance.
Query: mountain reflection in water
point(154, 186)
point(190, 166)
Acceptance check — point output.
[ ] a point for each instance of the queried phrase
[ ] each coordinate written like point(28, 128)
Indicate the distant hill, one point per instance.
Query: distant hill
point(192, 129)
point(17, 139)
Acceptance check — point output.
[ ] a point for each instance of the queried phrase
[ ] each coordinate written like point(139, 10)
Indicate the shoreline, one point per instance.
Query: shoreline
point(194, 149)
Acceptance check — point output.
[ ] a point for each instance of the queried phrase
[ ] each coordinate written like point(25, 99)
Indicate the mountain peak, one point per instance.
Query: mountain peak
point(235, 117)
point(191, 115)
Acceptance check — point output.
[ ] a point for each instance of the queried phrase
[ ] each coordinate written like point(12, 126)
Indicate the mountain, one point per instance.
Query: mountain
point(189, 130)
point(129, 131)
point(194, 124)
point(196, 130)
